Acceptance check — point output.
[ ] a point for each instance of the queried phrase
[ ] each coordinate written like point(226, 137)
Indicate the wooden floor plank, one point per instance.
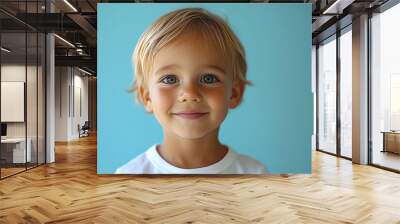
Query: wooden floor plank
point(70, 191)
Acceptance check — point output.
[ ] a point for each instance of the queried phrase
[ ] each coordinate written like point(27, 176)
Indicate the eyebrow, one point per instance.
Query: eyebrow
point(166, 67)
point(172, 66)
point(216, 68)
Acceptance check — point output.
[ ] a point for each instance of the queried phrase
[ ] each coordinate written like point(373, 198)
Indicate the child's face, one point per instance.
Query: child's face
point(191, 87)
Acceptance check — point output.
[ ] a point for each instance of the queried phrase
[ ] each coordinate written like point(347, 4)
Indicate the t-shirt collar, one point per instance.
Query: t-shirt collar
point(168, 168)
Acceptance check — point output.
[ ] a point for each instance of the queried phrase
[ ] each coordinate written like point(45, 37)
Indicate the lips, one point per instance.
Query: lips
point(190, 114)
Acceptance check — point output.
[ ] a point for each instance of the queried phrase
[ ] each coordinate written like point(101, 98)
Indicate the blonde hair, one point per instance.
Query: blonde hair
point(167, 29)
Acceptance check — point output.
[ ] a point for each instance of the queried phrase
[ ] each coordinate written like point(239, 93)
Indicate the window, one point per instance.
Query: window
point(385, 88)
point(327, 95)
point(346, 92)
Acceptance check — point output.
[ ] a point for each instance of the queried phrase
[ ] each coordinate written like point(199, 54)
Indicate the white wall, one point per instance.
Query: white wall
point(80, 109)
point(12, 73)
point(61, 103)
point(70, 84)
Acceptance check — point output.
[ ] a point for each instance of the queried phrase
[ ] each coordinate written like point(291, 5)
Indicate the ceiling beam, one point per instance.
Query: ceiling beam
point(84, 61)
point(85, 25)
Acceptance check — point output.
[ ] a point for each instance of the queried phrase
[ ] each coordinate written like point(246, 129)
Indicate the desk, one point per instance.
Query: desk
point(391, 141)
point(17, 150)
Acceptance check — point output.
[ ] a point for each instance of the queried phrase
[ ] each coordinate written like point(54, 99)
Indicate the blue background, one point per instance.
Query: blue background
point(274, 122)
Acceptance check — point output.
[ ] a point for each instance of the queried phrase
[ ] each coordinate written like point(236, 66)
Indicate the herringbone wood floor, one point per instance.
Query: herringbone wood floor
point(70, 191)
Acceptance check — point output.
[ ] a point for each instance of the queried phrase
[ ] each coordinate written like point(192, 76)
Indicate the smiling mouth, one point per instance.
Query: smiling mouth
point(190, 115)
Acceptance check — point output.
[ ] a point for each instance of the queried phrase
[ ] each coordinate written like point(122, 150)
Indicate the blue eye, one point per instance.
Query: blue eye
point(169, 79)
point(209, 79)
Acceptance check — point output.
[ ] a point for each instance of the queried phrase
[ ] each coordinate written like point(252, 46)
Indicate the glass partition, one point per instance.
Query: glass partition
point(31, 100)
point(13, 108)
point(41, 91)
point(22, 88)
point(327, 95)
point(385, 88)
point(346, 92)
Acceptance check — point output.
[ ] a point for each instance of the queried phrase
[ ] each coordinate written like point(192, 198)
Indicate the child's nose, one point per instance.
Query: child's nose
point(190, 92)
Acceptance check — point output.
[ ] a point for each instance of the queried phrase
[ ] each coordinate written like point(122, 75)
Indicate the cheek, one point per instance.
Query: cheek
point(161, 96)
point(218, 98)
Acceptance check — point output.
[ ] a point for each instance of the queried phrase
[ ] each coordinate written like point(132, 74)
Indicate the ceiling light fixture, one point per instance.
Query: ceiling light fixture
point(79, 51)
point(65, 41)
point(337, 7)
point(84, 71)
point(5, 49)
point(329, 9)
point(70, 5)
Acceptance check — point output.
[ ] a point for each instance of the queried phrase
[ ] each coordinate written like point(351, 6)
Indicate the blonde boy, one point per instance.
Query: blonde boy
point(190, 69)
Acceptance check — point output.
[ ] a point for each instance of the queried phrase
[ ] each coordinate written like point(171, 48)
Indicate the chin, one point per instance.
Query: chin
point(190, 134)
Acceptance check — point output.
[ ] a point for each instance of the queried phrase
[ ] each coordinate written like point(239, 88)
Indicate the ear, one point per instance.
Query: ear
point(144, 95)
point(237, 94)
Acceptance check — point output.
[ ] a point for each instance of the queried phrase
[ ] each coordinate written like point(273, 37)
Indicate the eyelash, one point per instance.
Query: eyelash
point(215, 78)
point(164, 79)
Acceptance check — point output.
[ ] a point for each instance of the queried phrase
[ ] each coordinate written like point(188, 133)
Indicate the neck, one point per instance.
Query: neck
point(192, 153)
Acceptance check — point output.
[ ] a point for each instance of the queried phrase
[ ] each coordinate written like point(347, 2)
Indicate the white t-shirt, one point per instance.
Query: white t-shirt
point(150, 162)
